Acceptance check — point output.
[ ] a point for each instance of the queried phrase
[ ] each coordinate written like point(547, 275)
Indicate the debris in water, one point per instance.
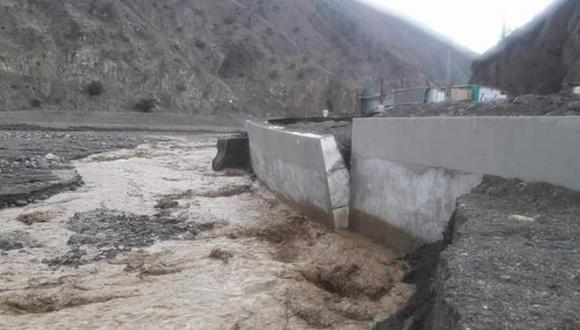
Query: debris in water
point(282, 232)
point(227, 191)
point(46, 301)
point(166, 203)
point(35, 217)
point(521, 218)
point(221, 254)
point(149, 264)
point(123, 154)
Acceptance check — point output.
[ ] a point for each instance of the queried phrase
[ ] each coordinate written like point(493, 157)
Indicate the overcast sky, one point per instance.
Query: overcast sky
point(476, 25)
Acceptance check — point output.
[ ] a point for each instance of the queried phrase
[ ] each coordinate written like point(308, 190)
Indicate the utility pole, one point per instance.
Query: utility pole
point(504, 31)
point(448, 72)
point(382, 90)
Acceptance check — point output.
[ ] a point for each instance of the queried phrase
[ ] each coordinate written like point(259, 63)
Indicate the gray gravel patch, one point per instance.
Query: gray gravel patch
point(16, 240)
point(35, 164)
point(103, 234)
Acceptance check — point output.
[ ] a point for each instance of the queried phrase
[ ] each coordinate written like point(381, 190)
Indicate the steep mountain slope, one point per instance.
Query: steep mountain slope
point(540, 57)
point(209, 57)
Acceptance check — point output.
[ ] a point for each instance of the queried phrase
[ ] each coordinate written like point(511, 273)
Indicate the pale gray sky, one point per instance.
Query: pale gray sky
point(476, 25)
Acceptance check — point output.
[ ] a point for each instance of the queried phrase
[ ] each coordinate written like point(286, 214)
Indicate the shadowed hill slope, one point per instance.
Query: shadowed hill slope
point(209, 57)
point(538, 58)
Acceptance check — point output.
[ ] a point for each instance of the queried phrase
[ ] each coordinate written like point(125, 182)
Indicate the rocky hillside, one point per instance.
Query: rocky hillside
point(540, 57)
point(207, 56)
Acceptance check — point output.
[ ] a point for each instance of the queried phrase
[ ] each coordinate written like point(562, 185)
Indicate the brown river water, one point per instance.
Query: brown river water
point(181, 247)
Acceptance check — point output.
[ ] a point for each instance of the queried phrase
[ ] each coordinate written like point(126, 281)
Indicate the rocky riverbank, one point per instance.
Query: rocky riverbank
point(35, 164)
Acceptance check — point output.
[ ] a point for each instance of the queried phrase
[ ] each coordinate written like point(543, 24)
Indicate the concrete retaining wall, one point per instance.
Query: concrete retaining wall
point(408, 172)
point(118, 120)
point(306, 170)
point(544, 149)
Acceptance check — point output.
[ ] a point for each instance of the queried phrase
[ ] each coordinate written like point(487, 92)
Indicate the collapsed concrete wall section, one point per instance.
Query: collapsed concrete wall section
point(306, 170)
point(407, 173)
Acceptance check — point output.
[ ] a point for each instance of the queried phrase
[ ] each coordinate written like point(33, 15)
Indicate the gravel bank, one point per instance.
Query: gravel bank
point(35, 164)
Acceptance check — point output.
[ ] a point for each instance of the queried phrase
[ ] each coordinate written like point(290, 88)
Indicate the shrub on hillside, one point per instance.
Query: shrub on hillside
point(275, 74)
point(146, 105)
point(229, 20)
point(95, 88)
point(35, 103)
point(200, 44)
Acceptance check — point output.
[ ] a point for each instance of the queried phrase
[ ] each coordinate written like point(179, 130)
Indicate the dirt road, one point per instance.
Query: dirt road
point(155, 240)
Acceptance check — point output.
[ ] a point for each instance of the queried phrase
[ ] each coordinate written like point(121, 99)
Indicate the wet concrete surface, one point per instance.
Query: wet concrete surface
point(155, 239)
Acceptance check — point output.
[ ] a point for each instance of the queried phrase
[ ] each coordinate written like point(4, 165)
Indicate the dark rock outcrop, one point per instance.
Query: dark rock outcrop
point(539, 58)
point(233, 152)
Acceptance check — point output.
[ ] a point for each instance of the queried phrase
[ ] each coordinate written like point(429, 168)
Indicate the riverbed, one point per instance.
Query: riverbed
point(154, 239)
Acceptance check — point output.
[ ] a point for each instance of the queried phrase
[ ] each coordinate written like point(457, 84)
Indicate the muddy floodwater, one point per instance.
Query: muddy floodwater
point(155, 240)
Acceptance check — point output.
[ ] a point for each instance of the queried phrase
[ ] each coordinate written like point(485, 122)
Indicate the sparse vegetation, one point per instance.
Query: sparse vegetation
point(181, 87)
point(275, 74)
point(146, 105)
point(301, 74)
point(35, 103)
point(200, 44)
point(95, 88)
point(152, 47)
point(229, 20)
point(240, 60)
point(104, 11)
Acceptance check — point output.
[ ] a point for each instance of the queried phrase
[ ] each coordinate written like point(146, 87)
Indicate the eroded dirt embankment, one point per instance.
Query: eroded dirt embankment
point(155, 239)
point(511, 263)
